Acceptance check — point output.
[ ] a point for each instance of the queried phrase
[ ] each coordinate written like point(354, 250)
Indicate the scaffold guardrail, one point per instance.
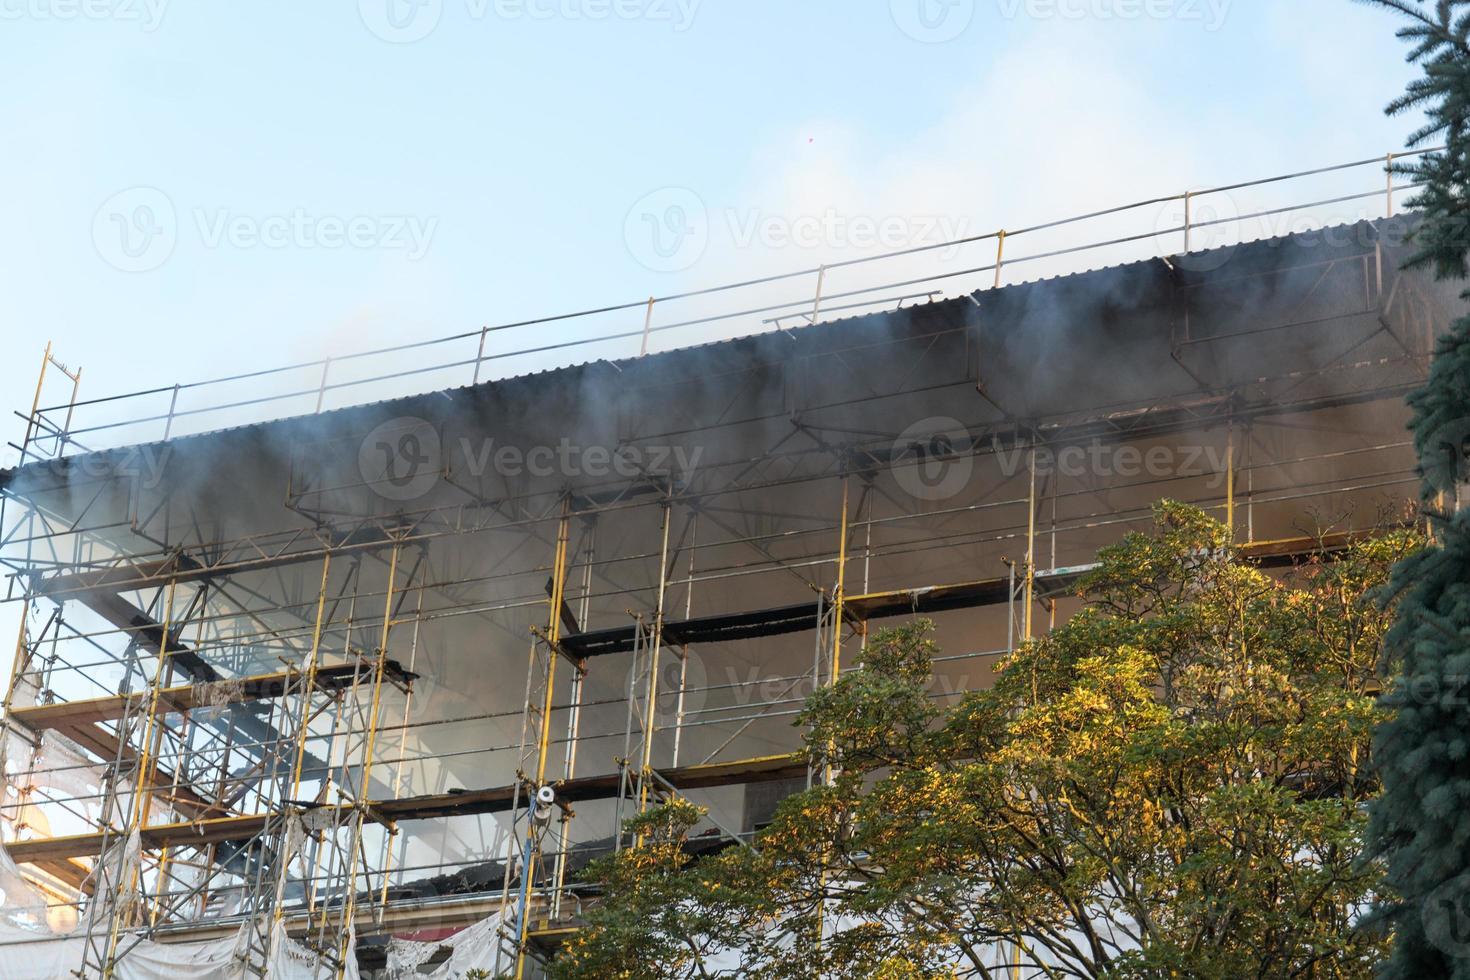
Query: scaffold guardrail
point(1153, 227)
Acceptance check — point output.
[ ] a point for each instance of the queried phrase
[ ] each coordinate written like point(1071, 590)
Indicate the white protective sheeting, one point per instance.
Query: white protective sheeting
point(223, 959)
point(473, 949)
point(22, 908)
point(30, 951)
point(65, 771)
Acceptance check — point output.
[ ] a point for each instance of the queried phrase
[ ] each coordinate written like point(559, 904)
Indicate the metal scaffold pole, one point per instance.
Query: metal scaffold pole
point(113, 889)
point(574, 721)
point(1030, 543)
point(531, 805)
point(354, 809)
point(655, 649)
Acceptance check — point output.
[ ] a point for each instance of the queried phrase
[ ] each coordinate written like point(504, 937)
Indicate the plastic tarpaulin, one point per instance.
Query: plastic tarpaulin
point(30, 951)
point(224, 959)
point(473, 949)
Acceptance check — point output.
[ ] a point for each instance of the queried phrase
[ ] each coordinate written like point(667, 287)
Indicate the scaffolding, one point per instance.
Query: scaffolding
point(276, 693)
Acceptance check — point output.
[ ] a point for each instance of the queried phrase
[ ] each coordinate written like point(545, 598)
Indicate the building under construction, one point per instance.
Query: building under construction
point(364, 688)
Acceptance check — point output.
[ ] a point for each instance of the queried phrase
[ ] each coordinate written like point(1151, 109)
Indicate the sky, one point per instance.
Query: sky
point(200, 189)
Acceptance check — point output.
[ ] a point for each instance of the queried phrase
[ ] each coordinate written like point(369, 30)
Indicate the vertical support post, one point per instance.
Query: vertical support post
point(574, 721)
point(650, 718)
point(817, 301)
point(1378, 272)
point(142, 792)
point(1030, 583)
point(867, 558)
point(173, 403)
point(1056, 481)
point(684, 648)
point(1250, 490)
point(1388, 190)
point(552, 639)
point(397, 785)
point(71, 406)
point(1230, 479)
point(1188, 219)
point(1011, 607)
point(817, 656)
point(838, 589)
point(647, 328)
point(479, 355)
point(31, 421)
point(1000, 254)
point(349, 902)
point(321, 390)
point(308, 686)
point(574, 724)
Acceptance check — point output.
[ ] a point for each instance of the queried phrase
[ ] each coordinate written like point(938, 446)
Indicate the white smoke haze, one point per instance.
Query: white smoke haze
point(1053, 127)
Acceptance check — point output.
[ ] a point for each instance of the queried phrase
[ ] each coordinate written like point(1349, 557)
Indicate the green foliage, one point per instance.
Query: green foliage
point(1421, 824)
point(1171, 784)
point(878, 716)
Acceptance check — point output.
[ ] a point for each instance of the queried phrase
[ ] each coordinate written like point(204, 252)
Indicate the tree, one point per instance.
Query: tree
point(1421, 823)
point(665, 924)
point(1172, 783)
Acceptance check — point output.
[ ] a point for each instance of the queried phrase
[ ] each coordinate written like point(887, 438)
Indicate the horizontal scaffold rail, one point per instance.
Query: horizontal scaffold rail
point(906, 602)
point(68, 717)
point(466, 803)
